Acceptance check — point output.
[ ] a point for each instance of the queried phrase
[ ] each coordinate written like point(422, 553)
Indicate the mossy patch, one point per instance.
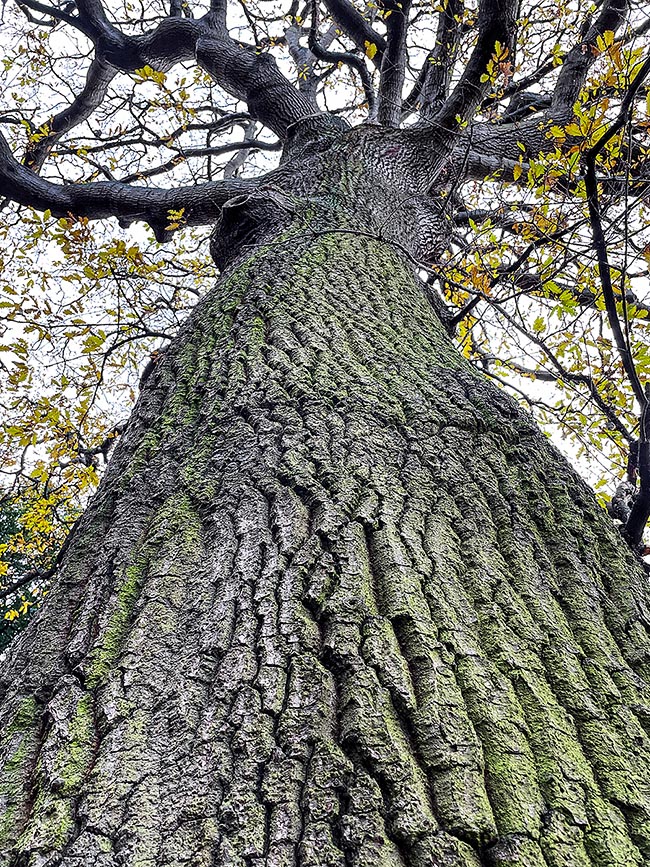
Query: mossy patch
point(104, 654)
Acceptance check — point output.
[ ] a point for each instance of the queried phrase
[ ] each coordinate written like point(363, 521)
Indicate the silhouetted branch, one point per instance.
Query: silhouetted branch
point(360, 31)
point(199, 205)
point(98, 79)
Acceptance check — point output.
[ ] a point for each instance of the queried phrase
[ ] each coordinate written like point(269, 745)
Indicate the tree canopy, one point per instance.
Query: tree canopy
point(127, 127)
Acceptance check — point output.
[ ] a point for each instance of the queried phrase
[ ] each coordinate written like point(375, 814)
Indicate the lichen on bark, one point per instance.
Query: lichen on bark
point(337, 602)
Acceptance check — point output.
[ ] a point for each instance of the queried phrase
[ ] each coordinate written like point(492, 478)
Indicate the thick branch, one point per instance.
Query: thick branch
point(393, 63)
point(357, 28)
point(256, 79)
point(487, 148)
point(474, 160)
point(304, 60)
point(241, 71)
point(496, 23)
point(581, 57)
point(200, 205)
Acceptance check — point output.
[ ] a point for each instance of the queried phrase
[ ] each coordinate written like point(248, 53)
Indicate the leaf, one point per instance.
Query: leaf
point(175, 218)
point(371, 49)
point(92, 342)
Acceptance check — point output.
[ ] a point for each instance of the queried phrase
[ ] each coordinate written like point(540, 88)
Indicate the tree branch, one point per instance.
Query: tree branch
point(393, 64)
point(581, 57)
point(119, 140)
point(53, 12)
point(182, 156)
point(496, 23)
point(432, 85)
point(640, 512)
point(91, 97)
point(598, 235)
point(357, 63)
point(495, 147)
point(304, 60)
point(357, 28)
point(241, 71)
point(200, 205)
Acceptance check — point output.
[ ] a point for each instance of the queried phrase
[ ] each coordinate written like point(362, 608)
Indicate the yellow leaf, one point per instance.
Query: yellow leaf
point(371, 49)
point(605, 40)
point(175, 218)
point(516, 172)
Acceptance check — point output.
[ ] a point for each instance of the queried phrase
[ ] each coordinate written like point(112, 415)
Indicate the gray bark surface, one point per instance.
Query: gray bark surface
point(337, 602)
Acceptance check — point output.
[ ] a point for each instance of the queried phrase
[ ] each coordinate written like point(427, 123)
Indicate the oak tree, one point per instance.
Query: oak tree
point(337, 600)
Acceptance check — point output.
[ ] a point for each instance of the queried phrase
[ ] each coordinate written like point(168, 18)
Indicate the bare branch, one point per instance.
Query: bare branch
point(98, 79)
point(52, 12)
point(432, 85)
point(305, 59)
point(242, 146)
point(357, 63)
point(241, 71)
point(121, 140)
point(236, 162)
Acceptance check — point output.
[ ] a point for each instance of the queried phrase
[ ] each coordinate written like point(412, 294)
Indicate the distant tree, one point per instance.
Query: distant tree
point(28, 562)
point(336, 600)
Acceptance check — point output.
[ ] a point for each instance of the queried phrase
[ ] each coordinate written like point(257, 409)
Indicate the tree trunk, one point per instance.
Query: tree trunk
point(337, 602)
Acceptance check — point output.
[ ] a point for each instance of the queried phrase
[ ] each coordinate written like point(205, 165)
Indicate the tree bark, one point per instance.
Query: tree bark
point(337, 602)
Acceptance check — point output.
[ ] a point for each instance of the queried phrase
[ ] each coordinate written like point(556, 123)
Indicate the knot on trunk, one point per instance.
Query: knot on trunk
point(432, 228)
point(247, 221)
point(418, 223)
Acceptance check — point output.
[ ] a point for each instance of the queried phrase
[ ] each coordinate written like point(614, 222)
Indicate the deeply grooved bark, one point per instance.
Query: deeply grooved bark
point(337, 602)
